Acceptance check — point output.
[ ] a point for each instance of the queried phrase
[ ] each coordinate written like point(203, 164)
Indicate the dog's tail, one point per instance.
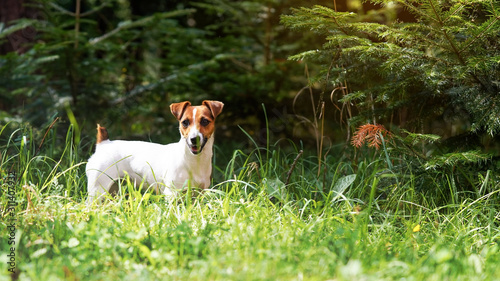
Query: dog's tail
point(102, 134)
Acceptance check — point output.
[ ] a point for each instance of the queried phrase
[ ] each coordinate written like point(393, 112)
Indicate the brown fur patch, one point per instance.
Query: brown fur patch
point(214, 106)
point(102, 134)
point(178, 109)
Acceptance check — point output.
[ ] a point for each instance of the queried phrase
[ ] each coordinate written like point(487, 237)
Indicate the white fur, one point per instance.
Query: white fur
point(165, 168)
point(194, 131)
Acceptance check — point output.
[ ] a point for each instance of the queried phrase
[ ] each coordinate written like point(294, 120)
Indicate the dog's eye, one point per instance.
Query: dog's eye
point(204, 122)
point(185, 123)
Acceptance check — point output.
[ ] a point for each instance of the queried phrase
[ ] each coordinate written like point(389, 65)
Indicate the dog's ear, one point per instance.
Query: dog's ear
point(179, 108)
point(214, 106)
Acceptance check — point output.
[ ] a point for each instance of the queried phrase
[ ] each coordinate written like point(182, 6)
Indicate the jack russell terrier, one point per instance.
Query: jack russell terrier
point(165, 168)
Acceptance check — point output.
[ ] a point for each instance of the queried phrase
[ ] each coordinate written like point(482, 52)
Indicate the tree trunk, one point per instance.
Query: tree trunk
point(18, 41)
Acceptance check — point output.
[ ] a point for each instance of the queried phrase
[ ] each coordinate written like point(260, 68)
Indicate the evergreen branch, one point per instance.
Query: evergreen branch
point(449, 53)
point(389, 52)
point(131, 24)
point(415, 138)
point(445, 33)
point(452, 43)
point(316, 17)
point(148, 87)
point(493, 20)
point(415, 10)
point(353, 96)
point(88, 13)
point(457, 8)
point(406, 34)
point(303, 55)
point(19, 25)
point(452, 159)
point(340, 26)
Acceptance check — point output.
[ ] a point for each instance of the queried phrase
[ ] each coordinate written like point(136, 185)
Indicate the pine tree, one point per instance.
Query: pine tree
point(450, 56)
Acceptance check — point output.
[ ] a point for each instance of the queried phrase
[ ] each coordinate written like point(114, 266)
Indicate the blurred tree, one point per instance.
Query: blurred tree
point(86, 56)
point(123, 62)
point(12, 10)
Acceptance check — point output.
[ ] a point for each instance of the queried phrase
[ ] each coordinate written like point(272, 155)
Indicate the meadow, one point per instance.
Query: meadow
point(273, 213)
point(383, 205)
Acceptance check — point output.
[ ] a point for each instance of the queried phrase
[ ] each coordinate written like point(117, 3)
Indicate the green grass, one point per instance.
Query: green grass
point(351, 223)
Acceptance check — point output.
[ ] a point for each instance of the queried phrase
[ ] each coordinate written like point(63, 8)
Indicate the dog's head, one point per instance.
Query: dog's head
point(197, 123)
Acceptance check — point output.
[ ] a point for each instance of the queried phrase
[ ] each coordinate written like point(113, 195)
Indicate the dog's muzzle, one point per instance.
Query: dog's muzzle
point(196, 144)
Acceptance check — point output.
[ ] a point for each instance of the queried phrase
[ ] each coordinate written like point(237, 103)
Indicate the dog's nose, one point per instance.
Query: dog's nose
point(196, 141)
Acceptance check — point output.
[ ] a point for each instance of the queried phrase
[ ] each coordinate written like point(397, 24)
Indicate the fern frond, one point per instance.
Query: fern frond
point(371, 134)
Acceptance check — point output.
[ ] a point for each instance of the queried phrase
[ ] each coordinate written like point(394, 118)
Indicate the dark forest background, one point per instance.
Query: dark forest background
point(313, 71)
